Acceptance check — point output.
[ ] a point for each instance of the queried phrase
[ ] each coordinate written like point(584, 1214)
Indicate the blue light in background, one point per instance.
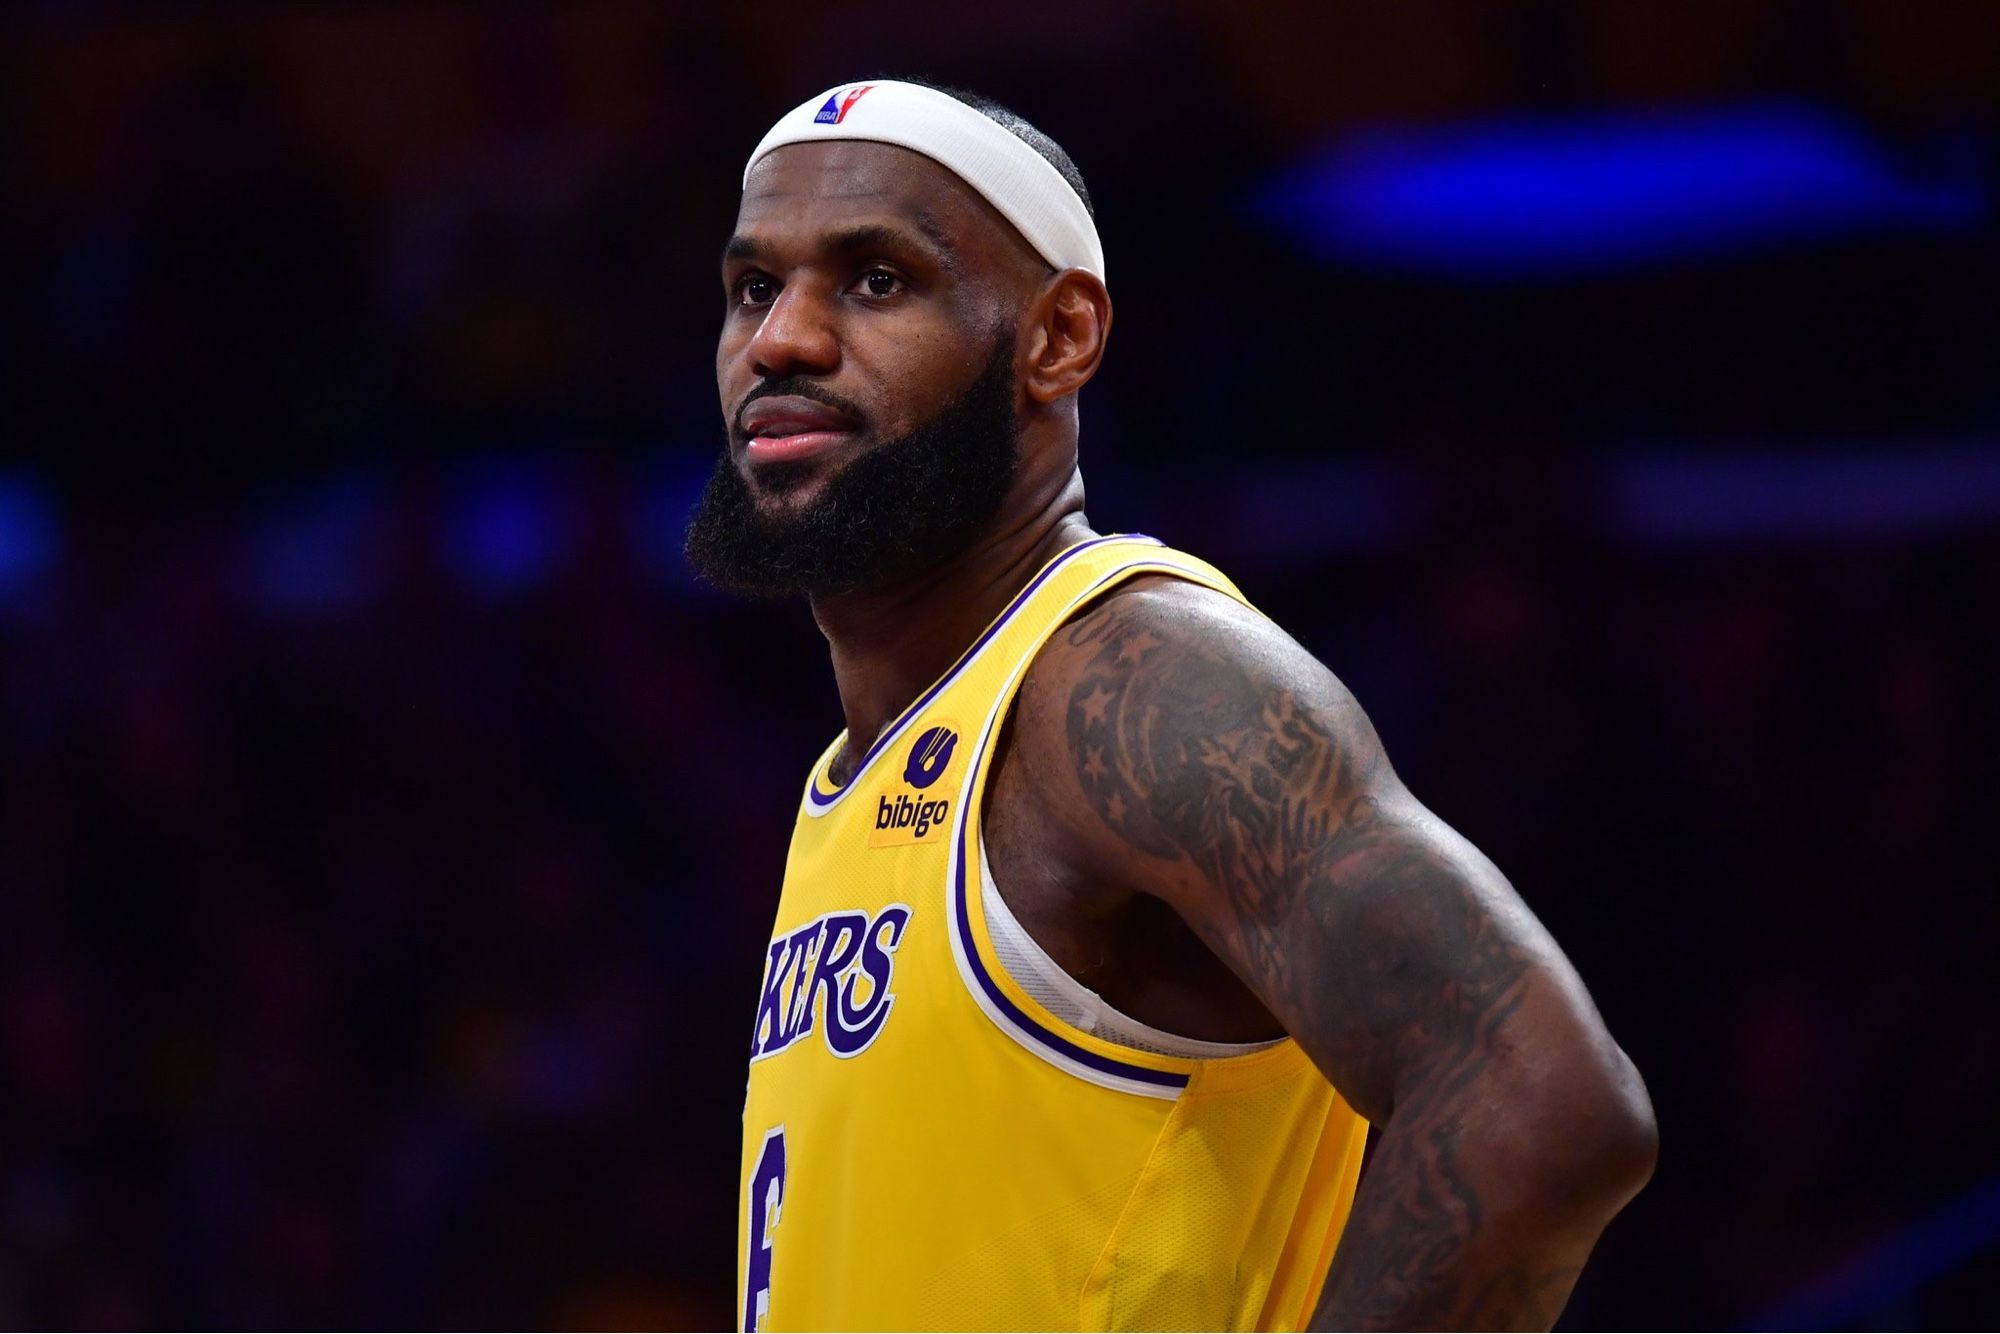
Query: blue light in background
point(1319, 508)
point(1876, 1284)
point(1674, 498)
point(29, 533)
point(505, 526)
point(1525, 197)
point(319, 548)
point(669, 487)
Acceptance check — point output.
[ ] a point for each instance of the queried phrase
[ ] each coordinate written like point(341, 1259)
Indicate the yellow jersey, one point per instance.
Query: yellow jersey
point(926, 1146)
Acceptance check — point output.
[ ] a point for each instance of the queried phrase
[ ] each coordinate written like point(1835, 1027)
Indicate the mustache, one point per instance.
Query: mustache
point(795, 386)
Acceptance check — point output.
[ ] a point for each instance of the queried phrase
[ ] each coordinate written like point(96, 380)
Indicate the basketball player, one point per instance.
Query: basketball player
point(1107, 929)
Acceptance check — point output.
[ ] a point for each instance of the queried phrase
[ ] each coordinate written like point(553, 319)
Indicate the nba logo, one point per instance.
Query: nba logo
point(837, 107)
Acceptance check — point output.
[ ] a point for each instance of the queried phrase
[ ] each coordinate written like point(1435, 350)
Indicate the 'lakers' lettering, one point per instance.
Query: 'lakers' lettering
point(832, 974)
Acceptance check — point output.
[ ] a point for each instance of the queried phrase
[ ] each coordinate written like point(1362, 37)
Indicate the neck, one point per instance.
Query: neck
point(889, 644)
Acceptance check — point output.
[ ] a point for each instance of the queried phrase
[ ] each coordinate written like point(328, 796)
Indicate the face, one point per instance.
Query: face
point(865, 370)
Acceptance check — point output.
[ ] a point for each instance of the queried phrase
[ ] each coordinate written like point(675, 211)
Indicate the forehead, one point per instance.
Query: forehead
point(808, 189)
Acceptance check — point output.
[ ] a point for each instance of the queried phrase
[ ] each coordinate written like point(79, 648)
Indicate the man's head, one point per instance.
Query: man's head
point(898, 357)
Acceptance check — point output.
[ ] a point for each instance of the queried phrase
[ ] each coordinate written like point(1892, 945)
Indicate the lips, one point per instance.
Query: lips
point(784, 429)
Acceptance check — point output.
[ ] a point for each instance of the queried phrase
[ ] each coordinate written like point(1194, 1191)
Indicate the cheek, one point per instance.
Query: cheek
point(729, 365)
point(906, 375)
point(735, 377)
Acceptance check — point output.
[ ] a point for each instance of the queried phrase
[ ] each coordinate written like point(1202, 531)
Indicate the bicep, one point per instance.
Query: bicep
point(1403, 961)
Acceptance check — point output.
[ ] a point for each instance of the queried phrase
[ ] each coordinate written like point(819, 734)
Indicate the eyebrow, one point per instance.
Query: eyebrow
point(852, 240)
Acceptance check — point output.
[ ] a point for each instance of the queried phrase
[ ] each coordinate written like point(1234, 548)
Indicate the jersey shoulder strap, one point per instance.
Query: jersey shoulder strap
point(1078, 576)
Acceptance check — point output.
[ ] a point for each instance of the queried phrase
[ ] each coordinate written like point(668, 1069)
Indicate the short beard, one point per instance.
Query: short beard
point(888, 513)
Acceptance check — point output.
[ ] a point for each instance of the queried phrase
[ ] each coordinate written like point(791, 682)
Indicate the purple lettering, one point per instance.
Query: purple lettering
point(766, 1204)
point(770, 1019)
point(797, 1020)
point(838, 945)
point(814, 973)
point(852, 1027)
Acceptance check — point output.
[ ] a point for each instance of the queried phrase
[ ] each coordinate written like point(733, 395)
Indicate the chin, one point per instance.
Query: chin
point(783, 487)
point(786, 489)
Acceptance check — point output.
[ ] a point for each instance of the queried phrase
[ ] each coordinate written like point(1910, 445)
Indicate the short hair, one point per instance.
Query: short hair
point(1018, 125)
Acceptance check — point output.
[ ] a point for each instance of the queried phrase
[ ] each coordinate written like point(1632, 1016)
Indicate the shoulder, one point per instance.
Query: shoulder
point(1162, 707)
point(1175, 661)
point(1162, 629)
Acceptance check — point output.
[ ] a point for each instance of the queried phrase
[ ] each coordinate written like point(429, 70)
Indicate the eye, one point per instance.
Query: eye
point(756, 289)
point(878, 282)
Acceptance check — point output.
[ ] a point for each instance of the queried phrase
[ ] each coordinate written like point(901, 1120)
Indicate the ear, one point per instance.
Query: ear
point(1068, 322)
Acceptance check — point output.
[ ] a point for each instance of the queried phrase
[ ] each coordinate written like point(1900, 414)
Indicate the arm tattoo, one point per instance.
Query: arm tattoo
point(1373, 947)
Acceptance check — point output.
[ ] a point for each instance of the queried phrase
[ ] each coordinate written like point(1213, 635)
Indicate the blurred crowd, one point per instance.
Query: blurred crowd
point(389, 830)
point(391, 963)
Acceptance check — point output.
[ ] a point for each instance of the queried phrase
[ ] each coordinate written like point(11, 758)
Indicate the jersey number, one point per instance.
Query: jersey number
point(766, 1201)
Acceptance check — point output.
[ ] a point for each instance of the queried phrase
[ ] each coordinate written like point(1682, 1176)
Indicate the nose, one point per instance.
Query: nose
point(796, 336)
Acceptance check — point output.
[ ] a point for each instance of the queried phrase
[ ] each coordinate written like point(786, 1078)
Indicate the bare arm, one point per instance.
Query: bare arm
point(1224, 770)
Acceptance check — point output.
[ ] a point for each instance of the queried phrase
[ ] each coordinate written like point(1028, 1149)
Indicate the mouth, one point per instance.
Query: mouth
point(765, 449)
point(790, 430)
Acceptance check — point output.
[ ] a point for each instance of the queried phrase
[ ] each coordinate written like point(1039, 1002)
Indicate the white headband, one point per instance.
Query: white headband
point(986, 155)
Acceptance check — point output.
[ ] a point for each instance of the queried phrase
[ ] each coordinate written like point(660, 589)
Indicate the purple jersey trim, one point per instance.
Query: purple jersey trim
point(1021, 1019)
point(818, 800)
point(1056, 1041)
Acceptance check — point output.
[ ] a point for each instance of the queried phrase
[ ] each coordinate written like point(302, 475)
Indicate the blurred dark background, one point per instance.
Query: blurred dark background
point(389, 827)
